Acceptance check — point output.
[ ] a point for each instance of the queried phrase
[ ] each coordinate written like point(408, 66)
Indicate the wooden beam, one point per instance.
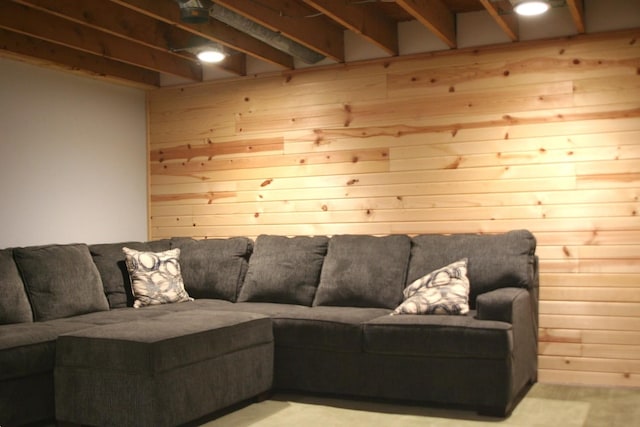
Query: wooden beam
point(168, 11)
point(577, 13)
point(235, 63)
point(44, 26)
point(117, 20)
point(367, 22)
point(120, 21)
point(508, 22)
point(289, 19)
point(40, 52)
point(435, 15)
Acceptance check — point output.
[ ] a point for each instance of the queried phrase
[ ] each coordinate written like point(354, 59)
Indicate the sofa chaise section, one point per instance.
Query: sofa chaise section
point(162, 371)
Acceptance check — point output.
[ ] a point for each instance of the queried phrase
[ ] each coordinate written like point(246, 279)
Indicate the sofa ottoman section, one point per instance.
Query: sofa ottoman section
point(163, 371)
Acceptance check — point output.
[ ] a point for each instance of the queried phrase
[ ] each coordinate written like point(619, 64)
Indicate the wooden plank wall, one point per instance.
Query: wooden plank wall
point(537, 135)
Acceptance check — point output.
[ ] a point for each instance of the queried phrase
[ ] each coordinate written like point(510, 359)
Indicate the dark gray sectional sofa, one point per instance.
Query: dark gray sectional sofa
point(328, 301)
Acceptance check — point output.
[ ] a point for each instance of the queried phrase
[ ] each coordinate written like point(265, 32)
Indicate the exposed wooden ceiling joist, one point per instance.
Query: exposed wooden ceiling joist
point(576, 7)
point(368, 22)
point(115, 19)
point(435, 15)
point(167, 11)
point(142, 41)
point(293, 21)
point(53, 29)
point(507, 21)
point(40, 52)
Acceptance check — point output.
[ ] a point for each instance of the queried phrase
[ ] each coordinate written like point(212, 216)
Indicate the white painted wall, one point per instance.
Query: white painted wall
point(72, 158)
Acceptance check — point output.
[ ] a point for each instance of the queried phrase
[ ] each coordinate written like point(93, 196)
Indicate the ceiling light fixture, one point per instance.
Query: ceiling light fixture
point(530, 7)
point(211, 56)
point(205, 50)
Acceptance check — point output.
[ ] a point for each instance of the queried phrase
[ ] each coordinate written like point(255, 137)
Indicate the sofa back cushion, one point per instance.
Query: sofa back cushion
point(213, 268)
point(61, 280)
point(364, 271)
point(494, 261)
point(14, 304)
point(110, 261)
point(284, 270)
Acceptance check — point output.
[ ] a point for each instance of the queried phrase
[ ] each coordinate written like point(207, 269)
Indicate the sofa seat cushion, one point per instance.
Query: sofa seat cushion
point(117, 315)
point(128, 314)
point(14, 304)
point(269, 309)
point(213, 268)
point(198, 304)
point(322, 328)
point(29, 348)
point(364, 271)
point(438, 336)
point(336, 329)
point(160, 344)
point(61, 280)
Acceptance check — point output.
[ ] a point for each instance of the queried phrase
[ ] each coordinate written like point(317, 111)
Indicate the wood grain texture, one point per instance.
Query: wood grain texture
point(540, 135)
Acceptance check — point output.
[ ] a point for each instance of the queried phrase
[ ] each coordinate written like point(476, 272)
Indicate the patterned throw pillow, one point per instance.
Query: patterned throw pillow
point(155, 277)
point(443, 291)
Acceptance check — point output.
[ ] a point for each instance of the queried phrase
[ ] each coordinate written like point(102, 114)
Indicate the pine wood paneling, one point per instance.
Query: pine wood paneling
point(541, 135)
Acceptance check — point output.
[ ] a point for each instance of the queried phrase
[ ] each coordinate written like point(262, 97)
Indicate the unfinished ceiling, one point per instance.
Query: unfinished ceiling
point(137, 41)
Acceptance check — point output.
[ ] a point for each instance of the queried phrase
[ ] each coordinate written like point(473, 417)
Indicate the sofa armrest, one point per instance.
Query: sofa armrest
point(503, 304)
point(517, 306)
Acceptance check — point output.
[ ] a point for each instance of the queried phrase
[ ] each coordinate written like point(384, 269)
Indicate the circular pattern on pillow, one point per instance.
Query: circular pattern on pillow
point(155, 277)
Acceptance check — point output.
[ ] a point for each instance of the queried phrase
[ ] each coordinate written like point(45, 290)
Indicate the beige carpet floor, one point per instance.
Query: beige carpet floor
point(544, 406)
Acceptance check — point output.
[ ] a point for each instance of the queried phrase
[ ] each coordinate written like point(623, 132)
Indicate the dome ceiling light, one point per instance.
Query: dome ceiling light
point(211, 55)
point(530, 7)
